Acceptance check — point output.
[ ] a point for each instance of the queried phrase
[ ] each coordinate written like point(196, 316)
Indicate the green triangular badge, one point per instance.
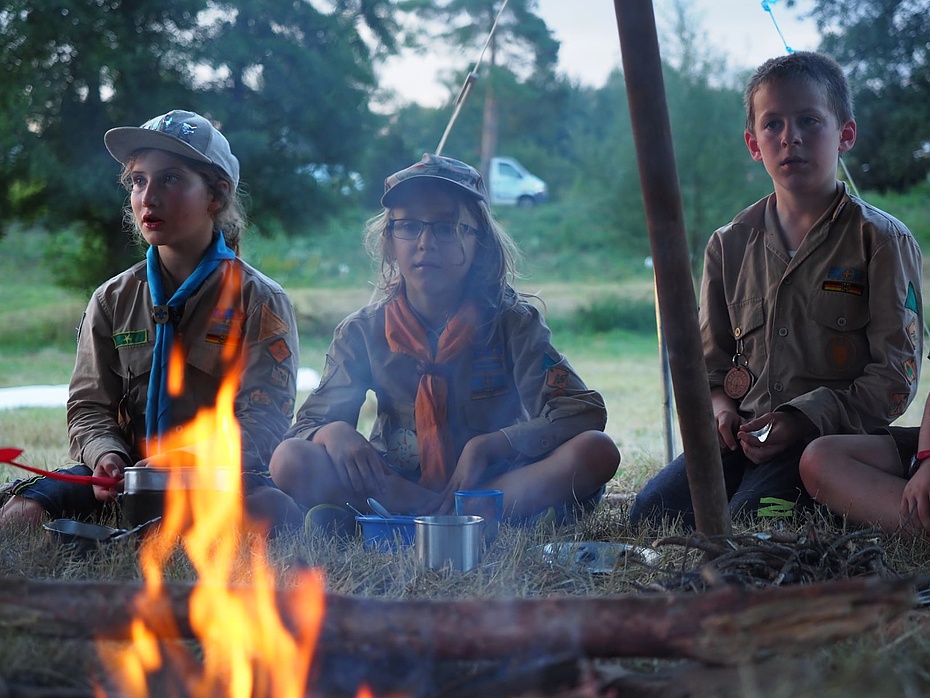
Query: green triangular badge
point(911, 302)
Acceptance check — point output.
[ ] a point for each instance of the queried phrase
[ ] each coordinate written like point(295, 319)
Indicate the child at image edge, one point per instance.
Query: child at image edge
point(811, 309)
point(470, 391)
point(192, 292)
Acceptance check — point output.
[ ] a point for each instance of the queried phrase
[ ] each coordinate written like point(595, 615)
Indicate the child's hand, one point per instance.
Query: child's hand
point(478, 454)
point(787, 429)
point(358, 465)
point(915, 502)
point(728, 421)
point(109, 465)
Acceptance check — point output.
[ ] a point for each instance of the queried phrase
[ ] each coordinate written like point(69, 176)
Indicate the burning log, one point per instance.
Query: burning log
point(722, 626)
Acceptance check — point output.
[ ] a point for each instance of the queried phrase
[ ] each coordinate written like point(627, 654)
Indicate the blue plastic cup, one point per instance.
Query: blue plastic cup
point(488, 504)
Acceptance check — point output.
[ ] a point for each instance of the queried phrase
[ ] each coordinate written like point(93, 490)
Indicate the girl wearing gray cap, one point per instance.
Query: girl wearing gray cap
point(470, 391)
point(191, 296)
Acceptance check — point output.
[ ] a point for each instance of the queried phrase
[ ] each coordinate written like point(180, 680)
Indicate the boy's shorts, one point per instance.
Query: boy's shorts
point(67, 500)
point(905, 440)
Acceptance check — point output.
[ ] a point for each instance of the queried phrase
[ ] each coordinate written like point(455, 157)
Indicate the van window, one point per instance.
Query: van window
point(505, 169)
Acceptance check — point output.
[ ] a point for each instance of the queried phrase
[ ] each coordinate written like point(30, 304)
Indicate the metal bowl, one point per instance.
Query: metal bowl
point(384, 534)
point(160, 479)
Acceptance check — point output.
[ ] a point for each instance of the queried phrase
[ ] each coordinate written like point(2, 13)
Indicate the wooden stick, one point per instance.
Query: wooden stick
point(724, 626)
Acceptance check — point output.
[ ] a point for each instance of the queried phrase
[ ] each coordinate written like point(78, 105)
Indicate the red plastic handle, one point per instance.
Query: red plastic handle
point(7, 455)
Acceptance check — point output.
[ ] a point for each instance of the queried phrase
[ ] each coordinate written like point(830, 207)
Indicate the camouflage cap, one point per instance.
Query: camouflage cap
point(439, 167)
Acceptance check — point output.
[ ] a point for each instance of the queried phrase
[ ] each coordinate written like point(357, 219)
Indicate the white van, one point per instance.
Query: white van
point(511, 184)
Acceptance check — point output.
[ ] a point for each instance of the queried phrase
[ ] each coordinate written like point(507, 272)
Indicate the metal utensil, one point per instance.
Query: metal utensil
point(354, 509)
point(763, 433)
point(453, 541)
point(379, 508)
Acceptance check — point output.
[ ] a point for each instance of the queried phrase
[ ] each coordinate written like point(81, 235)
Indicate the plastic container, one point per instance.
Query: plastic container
point(387, 535)
point(488, 504)
point(454, 541)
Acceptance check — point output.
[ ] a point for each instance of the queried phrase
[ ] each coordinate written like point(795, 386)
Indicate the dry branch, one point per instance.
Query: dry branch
point(722, 626)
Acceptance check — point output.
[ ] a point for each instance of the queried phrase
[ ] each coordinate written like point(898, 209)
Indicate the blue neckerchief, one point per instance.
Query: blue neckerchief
point(165, 313)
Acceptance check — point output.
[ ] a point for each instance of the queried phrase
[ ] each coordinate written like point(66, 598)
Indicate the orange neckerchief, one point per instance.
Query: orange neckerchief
point(405, 335)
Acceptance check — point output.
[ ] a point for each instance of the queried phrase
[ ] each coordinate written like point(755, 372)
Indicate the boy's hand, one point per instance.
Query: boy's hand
point(787, 429)
point(728, 421)
point(915, 502)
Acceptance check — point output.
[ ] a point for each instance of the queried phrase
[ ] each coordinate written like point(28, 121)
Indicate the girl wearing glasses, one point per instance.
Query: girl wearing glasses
point(470, 391)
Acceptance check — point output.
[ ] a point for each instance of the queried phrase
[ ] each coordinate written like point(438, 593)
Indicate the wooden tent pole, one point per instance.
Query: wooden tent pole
point(642, 69)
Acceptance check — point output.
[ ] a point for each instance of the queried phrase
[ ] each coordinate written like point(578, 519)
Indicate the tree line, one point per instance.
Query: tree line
point(291, 84)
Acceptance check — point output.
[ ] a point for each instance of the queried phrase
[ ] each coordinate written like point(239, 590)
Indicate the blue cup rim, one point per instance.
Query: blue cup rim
point(479, 493)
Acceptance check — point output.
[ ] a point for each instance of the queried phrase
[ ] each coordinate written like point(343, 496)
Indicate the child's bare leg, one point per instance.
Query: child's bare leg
point(305, 471)
point(570, 473)
point(22, 511)
point(856, 476)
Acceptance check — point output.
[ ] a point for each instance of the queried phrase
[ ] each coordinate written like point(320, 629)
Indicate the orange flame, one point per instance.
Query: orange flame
point(247, 650)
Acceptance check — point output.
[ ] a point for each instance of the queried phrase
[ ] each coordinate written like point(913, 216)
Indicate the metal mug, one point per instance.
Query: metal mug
point(455, 541)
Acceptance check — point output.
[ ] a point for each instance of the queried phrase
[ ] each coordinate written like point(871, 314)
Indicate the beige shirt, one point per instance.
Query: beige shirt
point(836, 331)
point(114, 358)
point(513, 380)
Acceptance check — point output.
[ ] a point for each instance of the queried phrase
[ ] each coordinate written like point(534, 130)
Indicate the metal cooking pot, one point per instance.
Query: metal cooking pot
point(144, 489)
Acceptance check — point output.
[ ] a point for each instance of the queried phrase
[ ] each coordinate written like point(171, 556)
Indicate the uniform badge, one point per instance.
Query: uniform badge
point(403, 450)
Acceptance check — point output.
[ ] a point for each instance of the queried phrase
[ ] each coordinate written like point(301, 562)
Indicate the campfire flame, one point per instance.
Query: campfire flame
point(246, 648)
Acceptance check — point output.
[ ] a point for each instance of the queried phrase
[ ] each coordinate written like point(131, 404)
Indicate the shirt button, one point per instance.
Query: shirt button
point(738, 331)
point(841, 322)
point(787, 281)
point(545, 443)
point(778, 387)
point(782, 331)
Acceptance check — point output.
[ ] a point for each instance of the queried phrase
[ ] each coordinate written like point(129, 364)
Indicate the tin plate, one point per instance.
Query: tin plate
point(596, 557)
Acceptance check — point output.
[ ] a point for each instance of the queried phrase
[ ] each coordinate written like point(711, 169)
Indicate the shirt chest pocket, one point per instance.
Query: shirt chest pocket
point(206, 358)
point(747, 320)
point(840, 320)
point(486, 414)
point(842, 312)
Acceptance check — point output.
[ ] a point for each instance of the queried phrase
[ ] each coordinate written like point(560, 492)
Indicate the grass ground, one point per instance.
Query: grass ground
point(36, 347)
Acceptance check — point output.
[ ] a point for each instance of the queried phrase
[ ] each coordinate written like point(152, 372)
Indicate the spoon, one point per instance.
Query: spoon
point(379, 508)
point(354, 509)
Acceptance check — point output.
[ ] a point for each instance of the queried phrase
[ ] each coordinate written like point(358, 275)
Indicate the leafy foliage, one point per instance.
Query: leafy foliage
point(882, 45)
point(288, 84)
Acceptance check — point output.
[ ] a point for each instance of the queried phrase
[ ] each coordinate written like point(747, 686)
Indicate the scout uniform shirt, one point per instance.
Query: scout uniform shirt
point(114, 358)
point(514, 381)
point(835, 332)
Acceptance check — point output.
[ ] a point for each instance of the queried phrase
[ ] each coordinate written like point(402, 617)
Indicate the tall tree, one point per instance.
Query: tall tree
point(291, 85)
point(521, 40)
point(288, 83)
point(70, 69)
point(882, 45)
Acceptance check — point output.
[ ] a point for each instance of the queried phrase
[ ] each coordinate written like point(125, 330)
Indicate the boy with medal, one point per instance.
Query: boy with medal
point(809, 303)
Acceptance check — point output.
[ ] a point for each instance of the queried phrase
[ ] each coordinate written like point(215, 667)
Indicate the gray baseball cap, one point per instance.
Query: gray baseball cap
point(179, 132)
point(439, 167)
